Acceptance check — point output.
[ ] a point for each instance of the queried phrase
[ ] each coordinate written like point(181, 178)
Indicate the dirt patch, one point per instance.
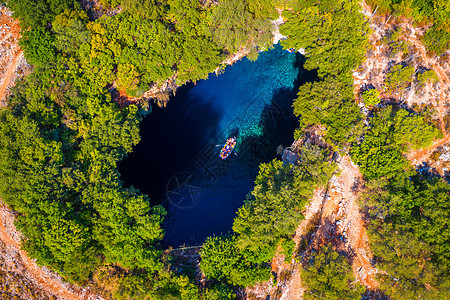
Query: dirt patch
point(294, 288)
point(342, 225)
point(333, 216)
point(381, 57)
point(12, 64)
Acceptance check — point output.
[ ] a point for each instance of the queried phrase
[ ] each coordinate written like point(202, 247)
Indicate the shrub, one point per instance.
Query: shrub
point(328, 275)
point(224, 261)
point(371, 97)
point(399, 77)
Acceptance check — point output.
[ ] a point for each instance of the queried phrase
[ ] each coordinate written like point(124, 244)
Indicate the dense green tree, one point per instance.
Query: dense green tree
point(412, 130)
point(145, 9)
point(188, 17)
point(380, 153)
point(329, 103)
point(70, 30)
point(288, 247)
point(126, 227)
point(371, 97)
point(219, 292)
point(38, 46)
point(127, 77)
point(200, 57)
point(332, 33)
point(223, 260)
point(329, 276)
point(437, 38)
point(274, 208)
point(161, 285)
point(31, 166)
point(38, 13)
point(409, 235)
point(233, 27)
point(263, 8)
point(58, 171)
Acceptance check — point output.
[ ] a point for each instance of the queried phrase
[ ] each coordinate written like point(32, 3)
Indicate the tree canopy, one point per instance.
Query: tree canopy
point(329, 276)
point(333, 34)
point(389, 134)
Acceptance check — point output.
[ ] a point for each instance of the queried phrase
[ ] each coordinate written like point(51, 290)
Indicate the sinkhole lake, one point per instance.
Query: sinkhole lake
point(177, 161)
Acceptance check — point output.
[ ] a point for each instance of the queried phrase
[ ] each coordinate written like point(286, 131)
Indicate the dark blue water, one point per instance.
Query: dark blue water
point(177, 161)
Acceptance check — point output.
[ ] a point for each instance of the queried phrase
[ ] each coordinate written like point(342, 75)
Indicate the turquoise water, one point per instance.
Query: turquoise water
point(245, 89)
point(177, 161)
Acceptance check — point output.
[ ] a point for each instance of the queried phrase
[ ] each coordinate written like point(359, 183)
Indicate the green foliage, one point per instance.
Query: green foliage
point(399, 77)
point(380, 153)
point(315, 164)
point(200, 56)
point(162, 285)
point(330, 103)
point(263, 8)
point(332, 33)
point(427, 76)
point(126, 226)
point(288, 246)
point(188, 17)
point(412, 130)
point(274, 208)
point(219, 292)
point(144, 9)
point(70, 30)
point(437, 38)
point(272, 211)
point(371, 97)
point(409, 236)
point(38, 46)
point(38, 13)
point(127, 77)
point(329, 276)
point(59, 153)
point(233, 27)
point(223, 260)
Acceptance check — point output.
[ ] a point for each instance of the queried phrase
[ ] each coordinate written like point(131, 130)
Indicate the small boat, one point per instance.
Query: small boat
point(290, 50)
point(228, 148)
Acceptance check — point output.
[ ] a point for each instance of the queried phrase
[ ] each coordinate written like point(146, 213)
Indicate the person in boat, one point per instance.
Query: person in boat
point(228, 148)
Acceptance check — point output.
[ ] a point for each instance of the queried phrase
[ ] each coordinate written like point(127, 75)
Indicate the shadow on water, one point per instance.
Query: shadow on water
point(278, 121)
point(177, 161)
point(179, 137)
